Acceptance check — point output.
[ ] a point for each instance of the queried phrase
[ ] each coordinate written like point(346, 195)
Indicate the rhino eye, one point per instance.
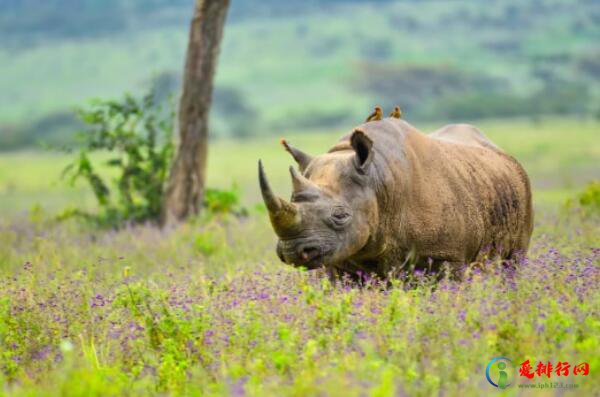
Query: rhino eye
point(340, 216)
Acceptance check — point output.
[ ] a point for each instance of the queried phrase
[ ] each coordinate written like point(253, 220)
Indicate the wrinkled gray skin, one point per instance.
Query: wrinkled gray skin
point(386, 194)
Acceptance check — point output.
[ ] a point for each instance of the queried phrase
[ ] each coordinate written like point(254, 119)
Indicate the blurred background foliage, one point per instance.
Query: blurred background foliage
point(302, 64)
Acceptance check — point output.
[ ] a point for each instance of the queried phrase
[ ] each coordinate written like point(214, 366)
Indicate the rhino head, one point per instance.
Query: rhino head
point(333, 211)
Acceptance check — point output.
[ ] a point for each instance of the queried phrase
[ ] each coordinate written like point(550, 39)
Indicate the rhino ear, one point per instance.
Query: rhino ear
point(363, 146)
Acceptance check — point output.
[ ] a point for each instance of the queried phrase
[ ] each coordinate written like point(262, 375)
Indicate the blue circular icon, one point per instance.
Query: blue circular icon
point(503, 379)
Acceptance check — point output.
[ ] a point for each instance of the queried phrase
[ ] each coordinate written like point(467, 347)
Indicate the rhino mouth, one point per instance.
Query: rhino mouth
point(311, 256)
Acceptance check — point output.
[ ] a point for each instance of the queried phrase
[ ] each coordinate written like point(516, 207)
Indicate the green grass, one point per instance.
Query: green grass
point(145, 312)
point(560, 155)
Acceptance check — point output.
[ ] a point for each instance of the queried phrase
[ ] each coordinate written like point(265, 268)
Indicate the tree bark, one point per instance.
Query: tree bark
point(185, 189)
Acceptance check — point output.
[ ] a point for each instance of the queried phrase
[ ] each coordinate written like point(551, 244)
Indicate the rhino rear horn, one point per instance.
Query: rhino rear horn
point(299, 182)
point(283, 214)
point(301, 158)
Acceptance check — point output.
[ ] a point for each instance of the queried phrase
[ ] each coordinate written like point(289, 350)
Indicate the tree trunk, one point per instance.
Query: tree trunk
point(185, 188)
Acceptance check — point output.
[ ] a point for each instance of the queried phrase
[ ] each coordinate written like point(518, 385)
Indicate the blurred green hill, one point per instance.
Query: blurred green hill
point(302, 64)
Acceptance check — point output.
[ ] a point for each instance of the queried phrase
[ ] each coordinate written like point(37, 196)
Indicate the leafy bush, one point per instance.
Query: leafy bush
point(588, 200)
point(137, 135)
point(223, 201)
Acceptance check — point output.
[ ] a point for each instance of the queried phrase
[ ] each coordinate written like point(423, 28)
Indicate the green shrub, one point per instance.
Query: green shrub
point(588, 200)
point(223, 201)
point(137, 135)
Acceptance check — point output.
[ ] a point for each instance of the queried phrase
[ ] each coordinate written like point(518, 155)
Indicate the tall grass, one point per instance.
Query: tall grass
point(207, 309)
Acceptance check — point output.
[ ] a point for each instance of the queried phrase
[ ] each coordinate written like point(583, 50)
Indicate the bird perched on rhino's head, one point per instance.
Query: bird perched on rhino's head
point(376, 115)
point(386, 194)
point(396, 113)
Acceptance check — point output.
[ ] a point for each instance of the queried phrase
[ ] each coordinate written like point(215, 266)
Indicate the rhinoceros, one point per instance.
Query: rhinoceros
point(386, 193)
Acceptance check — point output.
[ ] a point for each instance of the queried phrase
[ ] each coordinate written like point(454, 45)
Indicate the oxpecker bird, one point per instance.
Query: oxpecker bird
point(396, 113)
point(376, 115)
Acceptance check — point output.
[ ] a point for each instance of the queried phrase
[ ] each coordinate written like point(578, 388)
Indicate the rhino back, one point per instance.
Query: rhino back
point(476, 197)
point(465, 134)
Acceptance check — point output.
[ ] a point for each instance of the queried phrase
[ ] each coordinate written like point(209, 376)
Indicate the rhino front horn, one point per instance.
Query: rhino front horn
point(282, 213)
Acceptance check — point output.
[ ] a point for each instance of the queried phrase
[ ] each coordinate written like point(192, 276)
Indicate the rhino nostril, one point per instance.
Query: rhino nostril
point(309, 252)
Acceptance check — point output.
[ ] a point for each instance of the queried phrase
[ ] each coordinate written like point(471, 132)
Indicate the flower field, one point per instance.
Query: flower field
point(202, 310)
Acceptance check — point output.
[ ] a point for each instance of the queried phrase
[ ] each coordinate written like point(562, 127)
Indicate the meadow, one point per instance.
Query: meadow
point(207, 308)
